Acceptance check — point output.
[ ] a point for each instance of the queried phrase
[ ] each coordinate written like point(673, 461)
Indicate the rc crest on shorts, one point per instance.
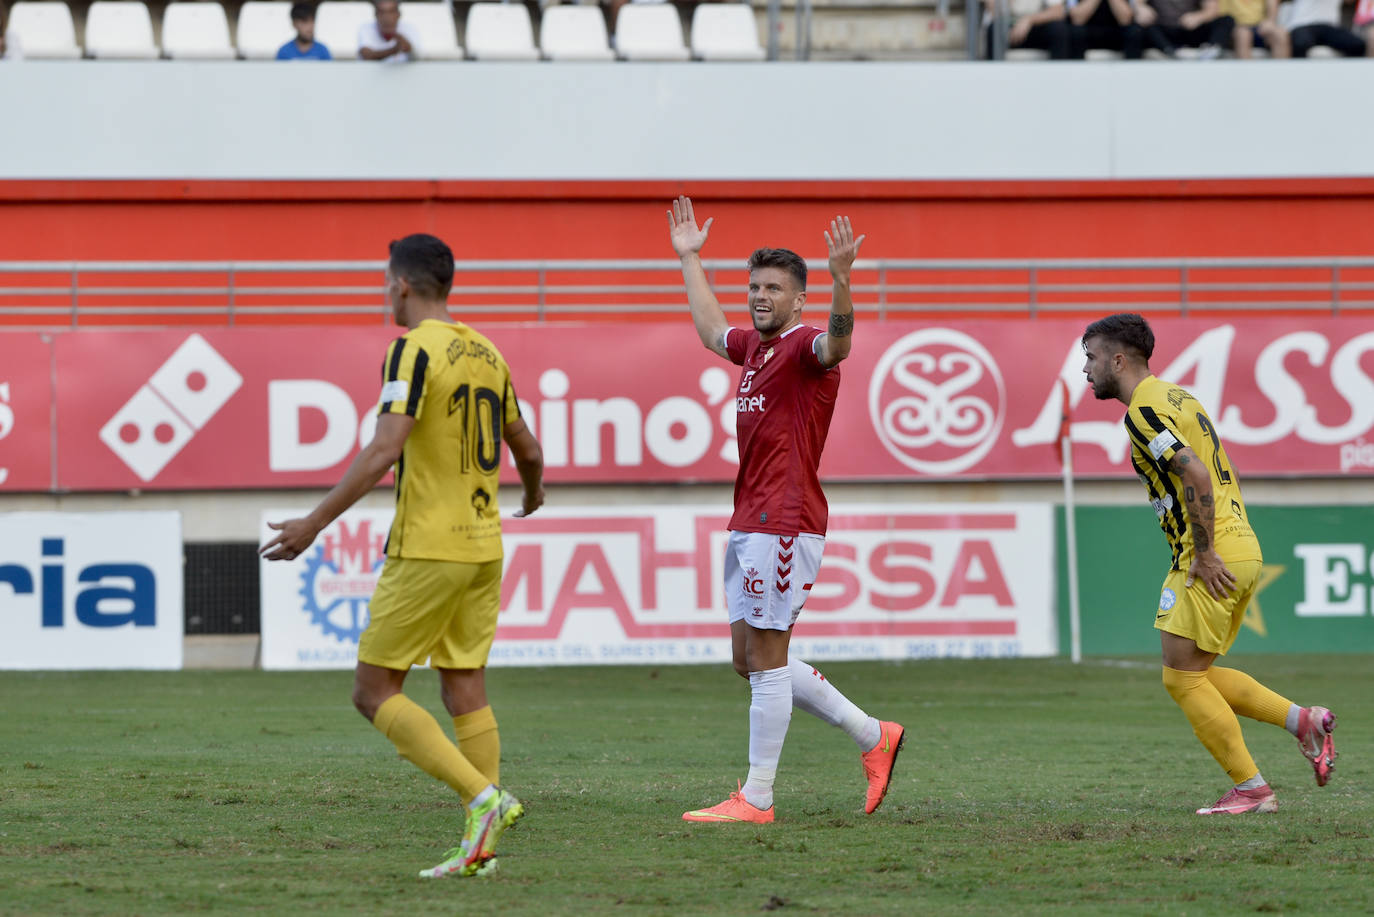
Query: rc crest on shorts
point(1167, 600)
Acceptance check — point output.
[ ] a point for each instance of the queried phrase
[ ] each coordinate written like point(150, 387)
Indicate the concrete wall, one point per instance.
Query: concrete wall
point(866, 121)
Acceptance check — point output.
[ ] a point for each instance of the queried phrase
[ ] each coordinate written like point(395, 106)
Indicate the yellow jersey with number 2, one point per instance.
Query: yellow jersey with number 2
point(1161, 420)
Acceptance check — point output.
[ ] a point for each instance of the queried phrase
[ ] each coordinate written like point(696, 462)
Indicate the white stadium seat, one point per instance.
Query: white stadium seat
point(574, 33)
point(198, 30)
point(500, 31)
point(119, 29)
point(649, 31)
point(44, 29)
point(337, 23)
point(725, 31)
point(438, 38)
point(264, 26)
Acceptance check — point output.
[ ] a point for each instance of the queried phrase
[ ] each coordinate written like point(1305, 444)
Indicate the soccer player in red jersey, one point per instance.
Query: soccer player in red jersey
point(788, 381)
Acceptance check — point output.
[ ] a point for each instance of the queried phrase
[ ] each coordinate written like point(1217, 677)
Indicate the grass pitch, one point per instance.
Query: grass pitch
point(1026, 787)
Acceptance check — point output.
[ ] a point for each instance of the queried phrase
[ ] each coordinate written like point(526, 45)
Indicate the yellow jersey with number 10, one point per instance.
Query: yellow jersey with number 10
point(1161, 420)
point(457, 386)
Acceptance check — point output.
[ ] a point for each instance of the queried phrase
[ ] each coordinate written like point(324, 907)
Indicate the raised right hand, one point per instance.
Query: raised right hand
point(683, 232)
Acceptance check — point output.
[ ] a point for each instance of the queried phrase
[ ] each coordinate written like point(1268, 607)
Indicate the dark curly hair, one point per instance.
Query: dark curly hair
point(1126, 329)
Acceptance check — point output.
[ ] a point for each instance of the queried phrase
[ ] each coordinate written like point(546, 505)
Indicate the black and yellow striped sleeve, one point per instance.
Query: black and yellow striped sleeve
point(510, 405)
point(403, 378)
point(1154, 433)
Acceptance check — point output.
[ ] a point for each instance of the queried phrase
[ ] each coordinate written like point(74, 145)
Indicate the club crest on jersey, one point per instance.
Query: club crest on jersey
point(768, 355)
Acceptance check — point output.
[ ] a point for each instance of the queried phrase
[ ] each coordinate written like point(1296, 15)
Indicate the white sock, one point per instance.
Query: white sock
point(813, 692)
point(1253, 783)
point(481, 798)
point(770, 712)
point(1291, 722)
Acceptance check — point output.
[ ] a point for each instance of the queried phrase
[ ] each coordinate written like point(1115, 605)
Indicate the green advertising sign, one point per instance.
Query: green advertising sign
point(1316, 594)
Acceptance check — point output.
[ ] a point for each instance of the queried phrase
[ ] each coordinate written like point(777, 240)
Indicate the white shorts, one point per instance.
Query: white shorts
point(768, 577)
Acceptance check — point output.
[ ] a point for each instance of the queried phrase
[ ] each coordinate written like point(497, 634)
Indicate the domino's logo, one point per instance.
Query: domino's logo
point(171, 407)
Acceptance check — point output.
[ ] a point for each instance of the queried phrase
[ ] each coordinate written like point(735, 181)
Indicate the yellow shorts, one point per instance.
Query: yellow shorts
point(1210, 623)
point(435, 610)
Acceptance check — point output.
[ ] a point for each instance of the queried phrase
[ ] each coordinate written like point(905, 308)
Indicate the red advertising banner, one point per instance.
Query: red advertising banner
point(25, 412)
point(646, 403)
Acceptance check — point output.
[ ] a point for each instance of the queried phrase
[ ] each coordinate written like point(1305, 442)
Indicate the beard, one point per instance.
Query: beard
point(1106, 390)
point(767, 323)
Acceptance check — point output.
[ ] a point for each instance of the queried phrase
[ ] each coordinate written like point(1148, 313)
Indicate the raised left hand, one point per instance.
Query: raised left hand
point(842, 247)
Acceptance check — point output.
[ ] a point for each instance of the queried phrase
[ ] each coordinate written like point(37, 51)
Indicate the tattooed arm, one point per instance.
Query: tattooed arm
point(1207, 565)
point(833, 346)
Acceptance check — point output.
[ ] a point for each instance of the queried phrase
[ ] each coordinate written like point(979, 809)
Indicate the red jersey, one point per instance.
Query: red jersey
point(782, 415)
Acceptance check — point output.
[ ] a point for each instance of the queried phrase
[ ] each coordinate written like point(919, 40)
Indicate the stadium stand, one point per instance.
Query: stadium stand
point(120, 29)
point(732, 31)
point(574, 33)
point(264, 26)
point(336, 25)
point(650, 31)
point(725, 31)
point(45, 29)
point(197, 31)
point(434, 22)
point(500, 31)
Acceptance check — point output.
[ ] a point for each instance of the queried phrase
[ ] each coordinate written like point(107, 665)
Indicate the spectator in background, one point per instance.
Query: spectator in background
point(1171, 24)
point(1257, 26)
point(1038, 24)
point(1364, 23)
point(388, 38)
point(9, 44)
point(1106, 24)
point(1318, 22)
point(303, 46)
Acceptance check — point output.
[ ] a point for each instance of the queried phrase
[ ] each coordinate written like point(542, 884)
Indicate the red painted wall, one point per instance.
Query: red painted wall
point(354, 220)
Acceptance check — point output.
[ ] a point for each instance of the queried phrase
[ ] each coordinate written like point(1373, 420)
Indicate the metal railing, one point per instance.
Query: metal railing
point(54, 294)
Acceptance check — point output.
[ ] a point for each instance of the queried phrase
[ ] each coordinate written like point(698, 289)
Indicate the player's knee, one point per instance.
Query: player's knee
point(1178, 682)
point(364, 702)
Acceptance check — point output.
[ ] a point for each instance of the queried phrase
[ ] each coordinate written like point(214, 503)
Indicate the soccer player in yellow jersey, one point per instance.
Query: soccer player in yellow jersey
point(446, 404)
point(1179, 457)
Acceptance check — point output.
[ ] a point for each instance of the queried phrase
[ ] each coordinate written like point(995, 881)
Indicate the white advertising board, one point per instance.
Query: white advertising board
point(91, 591)
point(643, 585)
point(314, 608)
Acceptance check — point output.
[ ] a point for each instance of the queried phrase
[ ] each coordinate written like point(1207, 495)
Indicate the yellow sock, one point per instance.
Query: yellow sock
point(1248, 697)
point(421, 740)
point(480, 742)
point(1213, 721)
